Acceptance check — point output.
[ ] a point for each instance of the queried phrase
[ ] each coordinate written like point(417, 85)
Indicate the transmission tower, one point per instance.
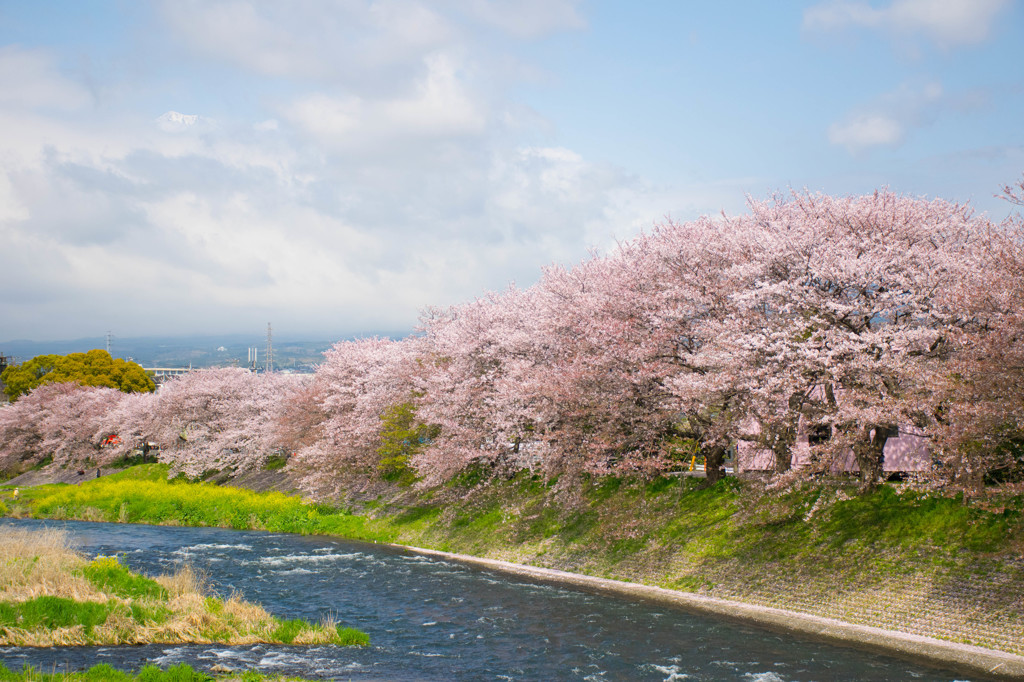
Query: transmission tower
point(110, 335)
point(270, 349)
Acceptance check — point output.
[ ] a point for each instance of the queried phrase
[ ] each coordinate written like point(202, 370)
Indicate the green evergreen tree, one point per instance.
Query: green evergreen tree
point(94, 368)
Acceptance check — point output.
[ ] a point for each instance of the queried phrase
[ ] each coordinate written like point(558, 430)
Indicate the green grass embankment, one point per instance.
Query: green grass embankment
point(142, 494)
point(896, 559)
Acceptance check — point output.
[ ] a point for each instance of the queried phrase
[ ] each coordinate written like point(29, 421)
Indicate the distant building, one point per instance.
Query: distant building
point(161, 374)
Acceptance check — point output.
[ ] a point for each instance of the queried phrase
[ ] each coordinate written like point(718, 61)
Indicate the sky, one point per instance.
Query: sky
point(337, 166)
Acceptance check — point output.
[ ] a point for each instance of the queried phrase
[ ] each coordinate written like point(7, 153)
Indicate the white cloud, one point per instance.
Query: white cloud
point(11, 207)
point(527, 18)
point(381, 170)
point(29, 79)
point(230, 228)
point(319, 39)
point(886, 121)
point(866, 130)
point(237, 32)
point(206, 232)
point(949, 23)
point(439, 105)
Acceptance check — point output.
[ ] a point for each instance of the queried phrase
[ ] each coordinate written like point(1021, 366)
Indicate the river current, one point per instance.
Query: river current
point(430, 619)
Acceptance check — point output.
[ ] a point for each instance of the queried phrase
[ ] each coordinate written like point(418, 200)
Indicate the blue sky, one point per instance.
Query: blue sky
point(334, 166)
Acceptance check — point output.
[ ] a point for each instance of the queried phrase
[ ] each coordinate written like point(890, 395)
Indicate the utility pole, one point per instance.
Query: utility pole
point(270, 349)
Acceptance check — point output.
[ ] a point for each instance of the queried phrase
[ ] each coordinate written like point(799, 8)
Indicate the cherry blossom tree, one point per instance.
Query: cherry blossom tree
point(353, 388)
point(609, 408)
point(983, 421)
point(476, 358)
point(544, 378)
point(215, 419)
point(132, 420)
point(60, 421)
point(862, 297)
point(769, 316)
point(576, 371)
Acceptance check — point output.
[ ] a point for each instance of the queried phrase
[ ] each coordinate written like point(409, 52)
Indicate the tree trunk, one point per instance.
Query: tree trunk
point(780, 437)
point(783, 457)
point(869, 450)
point(714, 464)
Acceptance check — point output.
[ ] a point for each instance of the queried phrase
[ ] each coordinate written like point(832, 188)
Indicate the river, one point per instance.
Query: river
point(430, 619)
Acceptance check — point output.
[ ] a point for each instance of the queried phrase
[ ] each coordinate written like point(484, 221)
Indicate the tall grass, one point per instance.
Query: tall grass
point(37, 563)
point(52, 595)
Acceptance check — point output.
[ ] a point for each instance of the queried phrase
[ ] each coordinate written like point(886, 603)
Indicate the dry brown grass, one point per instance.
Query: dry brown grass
point(43, 563)
point(185, 582)
point(38, 563)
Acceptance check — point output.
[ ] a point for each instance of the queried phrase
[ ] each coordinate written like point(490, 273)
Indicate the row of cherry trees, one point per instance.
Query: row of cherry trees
point(852, 315)
point(211, 419)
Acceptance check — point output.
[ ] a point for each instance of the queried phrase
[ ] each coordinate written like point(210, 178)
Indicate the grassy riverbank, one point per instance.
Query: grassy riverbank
point(142, 494)
point(150, 673)
point(51, 595)
point(895, 559)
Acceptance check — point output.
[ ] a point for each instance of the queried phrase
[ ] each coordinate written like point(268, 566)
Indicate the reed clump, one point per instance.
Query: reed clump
point(52, 595)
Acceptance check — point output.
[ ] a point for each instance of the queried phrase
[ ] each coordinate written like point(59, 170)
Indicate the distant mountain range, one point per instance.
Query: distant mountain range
point(182, 351)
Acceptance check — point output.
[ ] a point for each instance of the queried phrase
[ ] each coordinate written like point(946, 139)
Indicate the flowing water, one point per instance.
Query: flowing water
point(430, 619)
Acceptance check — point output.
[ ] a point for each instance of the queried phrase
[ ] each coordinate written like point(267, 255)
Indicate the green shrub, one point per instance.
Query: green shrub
point(276, 461)
point(401, 437)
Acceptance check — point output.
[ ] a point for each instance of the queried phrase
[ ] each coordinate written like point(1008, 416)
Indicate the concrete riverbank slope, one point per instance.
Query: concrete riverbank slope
point(896, 560)
point(964, 656)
